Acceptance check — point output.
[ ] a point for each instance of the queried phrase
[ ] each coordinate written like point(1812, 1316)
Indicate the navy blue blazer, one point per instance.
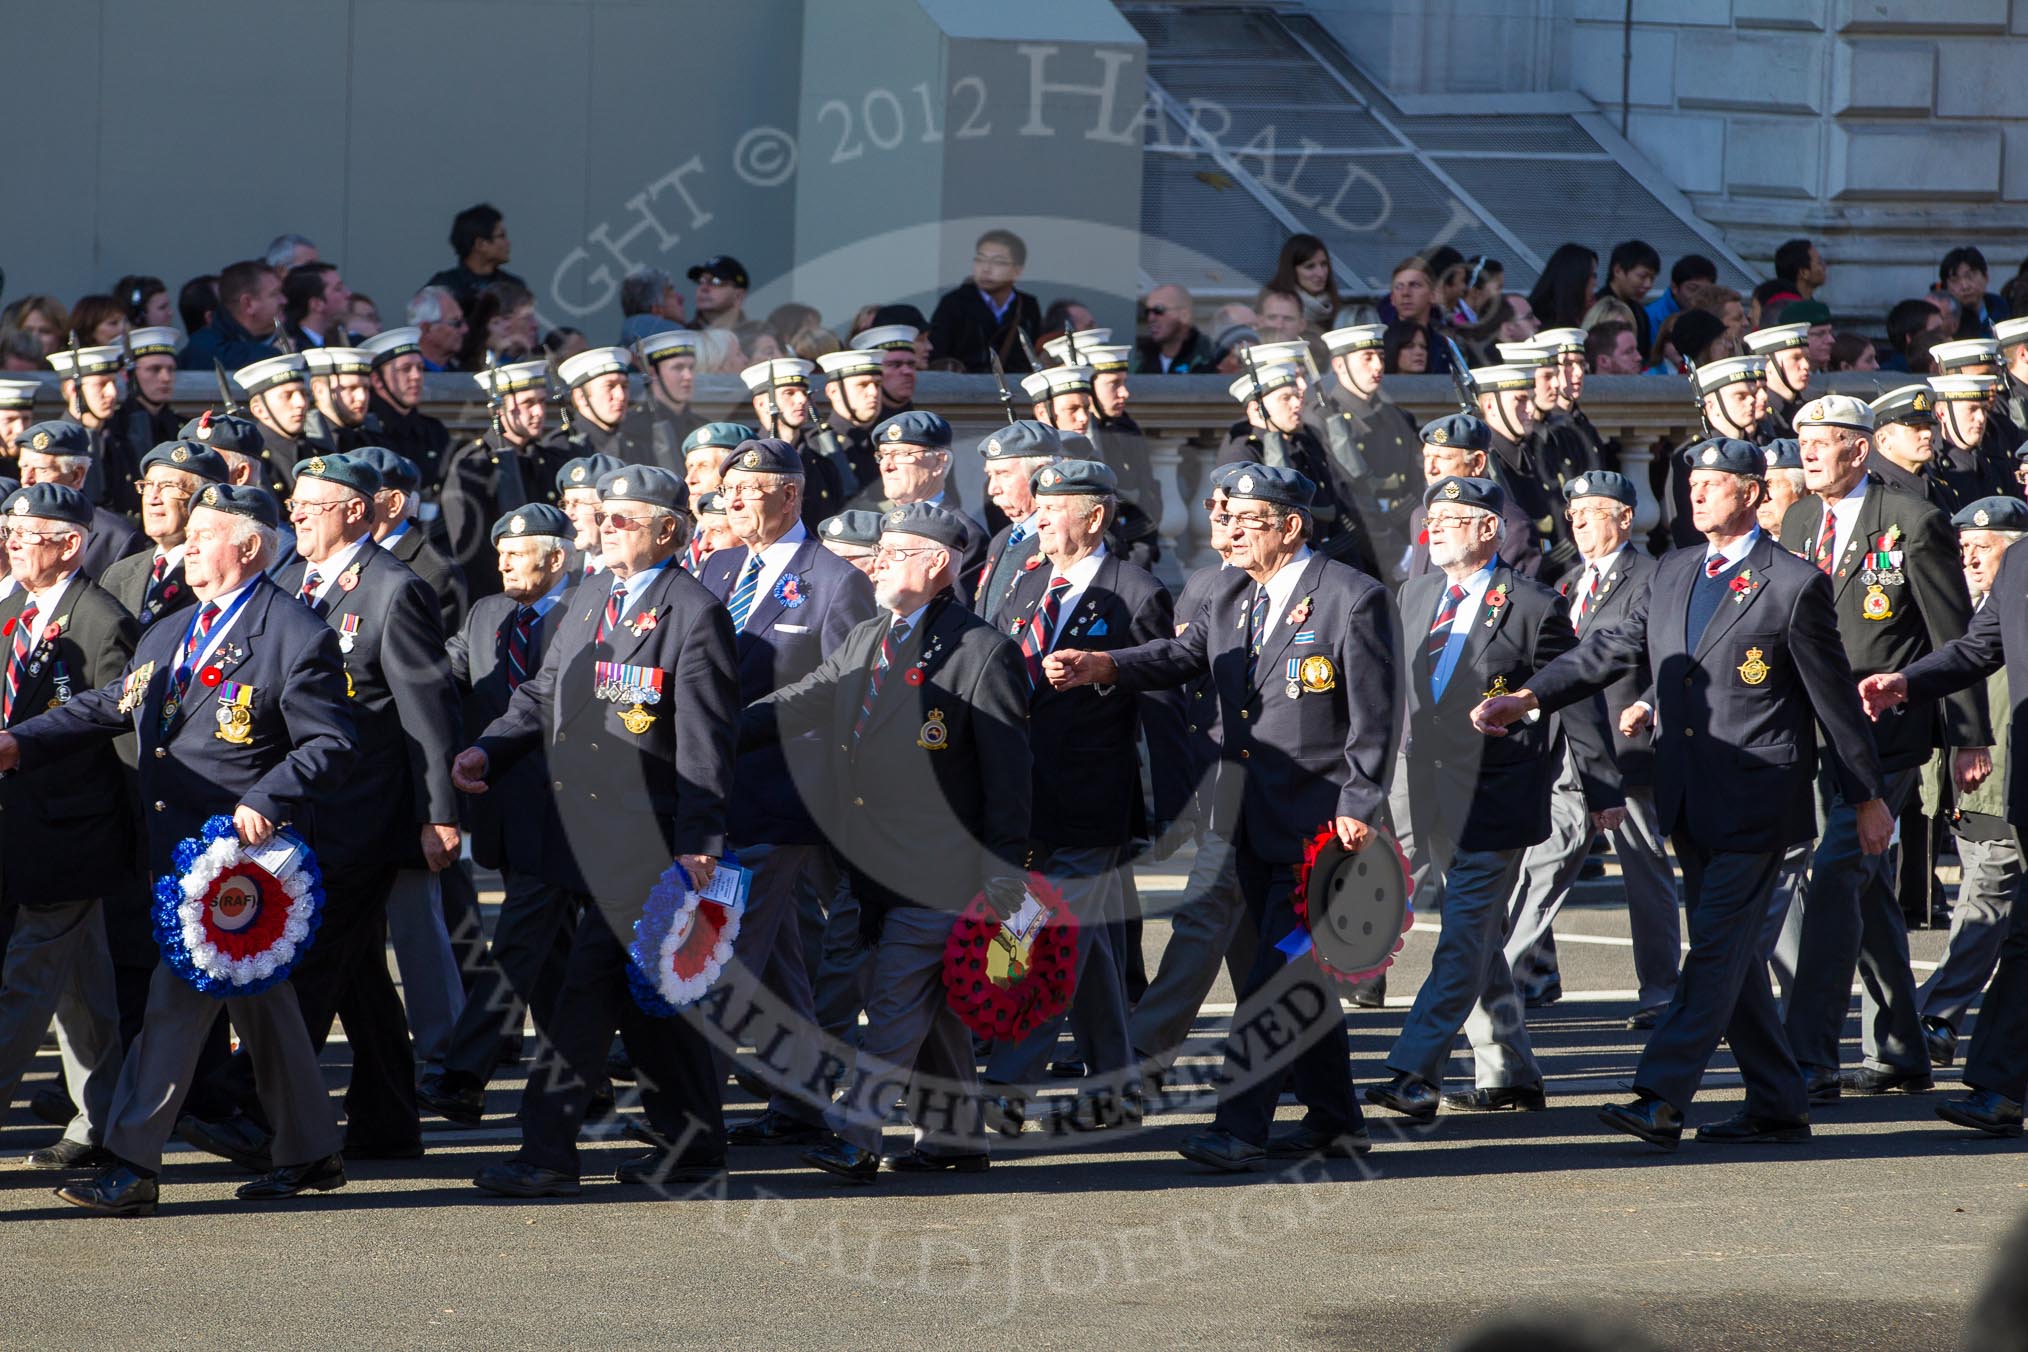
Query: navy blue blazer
point(514, 821)
point(1998, 636)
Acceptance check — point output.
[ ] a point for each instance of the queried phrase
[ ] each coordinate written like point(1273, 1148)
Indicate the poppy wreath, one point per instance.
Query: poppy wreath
point(1301, 896)
point(1031, 996)
point(681, 944)
point(225, 924)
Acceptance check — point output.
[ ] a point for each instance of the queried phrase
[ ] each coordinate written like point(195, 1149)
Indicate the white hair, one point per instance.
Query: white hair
point(70, 464)
point(282, 250)
point(1793, 477)
point(544, 544)
point(427, 306)
point(245, 528)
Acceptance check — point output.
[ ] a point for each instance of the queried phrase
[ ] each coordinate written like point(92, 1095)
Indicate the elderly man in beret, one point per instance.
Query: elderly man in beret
point(1012, 456)
point(913, 453)
point(853, 536)
point(395, 529)
point(150, 582)
point(297, 746)
point(577, 493)
point(61, 453)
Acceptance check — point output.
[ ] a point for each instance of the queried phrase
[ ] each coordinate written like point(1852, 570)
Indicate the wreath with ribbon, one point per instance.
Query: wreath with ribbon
point(681, 944)
point(1301, 897)
point(1003, 987)
point(227, 925)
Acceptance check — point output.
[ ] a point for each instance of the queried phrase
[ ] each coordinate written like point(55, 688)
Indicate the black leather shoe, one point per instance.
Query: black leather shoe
point(52, 1106)
point(69, 1154)
point(1866, 1081)
point(1645, 1018)
point(920, 1161)
point(1510, 1098)
point(516, 1178)
point(235, 1138)
point(1650, 1119)
point(657, 1166)
point(1071, 1069)
point(1983, 1110)
point(1005, 1114)
point(1822, 1088)
point(1406, 1095)
point(847, 1161)
point(1304, 1142)
point(1221, 1150)
point(118, 1191)
point(773, 1128)
point(1744, 1128)
point(291, 1180)
point(1544, 998)
point(453, 1098)
point(1370, 994)
point(1942, 1041)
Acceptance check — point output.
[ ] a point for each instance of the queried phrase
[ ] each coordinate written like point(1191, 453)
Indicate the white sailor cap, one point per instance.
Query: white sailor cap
point(1965, 352)
point(593, 363)
point(1272, 378)
point(270, 373)
point(1530, 355)
point(1058, 349)
point(338, 361)
point(90, 361)
point(2007, 333)
point(1834, 410)
point(886, 337)
point(18, 396)
point(1561, 340)
point(391, 343)
point(1291, 351)
point(1963, 389)
point(1778, 338)
point(156, 341)
point(513, 378)
point(1055, 380)
point(669, 343)
point(1506, 376)
point(1355, 338)
point(853, 361)
point(1102, 358)
point(781, 372)
point(1714, 375)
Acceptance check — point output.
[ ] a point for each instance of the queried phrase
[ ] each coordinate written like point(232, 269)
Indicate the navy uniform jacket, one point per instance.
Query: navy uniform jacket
point(824, 466)
point(514, 821)
point(1200, 697)
point(1001, 569)
point(1925, 605)
point(482, 483)
point(653, 434)
point(933, 799)
point(1086, 740)
point(414, 434)
point(1997, 637)
point(67, 826)
point(1736, 717)
point(1122, 445)
point(1341, 531)
point(399, 681)
point(629, 802)
point(443, 577)
point(302, 739)
point(1492, 793)
point(1377, 434)
point(1623, 586)
point(780, 645)
point(1325, 753)
point(128, 582)
point(109, 539)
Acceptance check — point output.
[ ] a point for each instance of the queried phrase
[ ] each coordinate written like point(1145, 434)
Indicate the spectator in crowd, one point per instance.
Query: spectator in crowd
point(559, 344)
point(441, 317)
point(1173, 344)
point(1907, 321)
point(1411, 298)
point(501, 324)
point(1610, 349)
point(1509, 319)
point(721, 293)
point(1630, 275)
point(1566, 288)
point(1404, 349)
point(241, 331)
point(649, 304)
point(315, 305)
point(1853, 352)
point(1609, 310)
point(98, 320)
point(197, 301)
point(288, 251)
point(44, 318)
point(1694, 333)
point(20, 351)
point(1447, 265)
point(1920, 362)
point(1690, 270)
point(147, 302)
point(1727, 305)
point(1278, 315)
point(980, 316)
point(363, 316)
point(1963, 274)
point(479, 242)
point(1304, 267)
point(1485, 280)
point(2015, 293)
point(1058, 318)
point(1229, 341)
point(1799, 271)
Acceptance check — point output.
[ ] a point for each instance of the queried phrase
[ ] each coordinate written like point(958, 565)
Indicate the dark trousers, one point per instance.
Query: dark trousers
point(672, 1059)
point(1723, 990)
point(1258, 1055)
point(531, 945)
point(1998, 1059)
point(344, 975)
point(461, 922)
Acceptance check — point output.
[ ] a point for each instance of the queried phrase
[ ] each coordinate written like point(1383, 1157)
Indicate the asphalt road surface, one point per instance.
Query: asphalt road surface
point(1876, 1234)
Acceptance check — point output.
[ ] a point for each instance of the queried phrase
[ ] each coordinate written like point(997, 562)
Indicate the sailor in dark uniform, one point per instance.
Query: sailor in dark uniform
point(397, 382)
point(89, 384)
point(144, 419)
point(1728, 394)
point(512, 465)
point(654, 432)
point(1787, 350)
point(780, 391)
point(341, 394)
point(277, 397)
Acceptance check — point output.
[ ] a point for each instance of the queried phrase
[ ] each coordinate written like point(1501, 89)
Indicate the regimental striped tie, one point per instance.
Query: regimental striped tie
point(1714, 565)
point(741, 604)
point(1440, 628)
point(611, 619)
point(17, 662)
point(312, 580)
point(1827, 540)
point(1584, 602)
point(897, 634)
point(179, 680)
point(520, 643)
point(1256, 630)
point(1041, 626)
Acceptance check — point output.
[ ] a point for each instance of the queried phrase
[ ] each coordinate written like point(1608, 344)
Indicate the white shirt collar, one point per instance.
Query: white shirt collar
point(174, 557)
point(635, 585)
point(48, 605)
point(329, 571)
point(1281, 588)
point(1733, 552)
point(1845, 514)
point(387, 542)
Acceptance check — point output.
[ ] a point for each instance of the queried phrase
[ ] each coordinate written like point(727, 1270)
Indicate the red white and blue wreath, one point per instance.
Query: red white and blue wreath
point(225, 923)
point(681, 945)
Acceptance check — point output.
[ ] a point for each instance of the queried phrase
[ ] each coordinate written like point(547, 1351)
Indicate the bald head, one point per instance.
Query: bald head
point(1170, 316)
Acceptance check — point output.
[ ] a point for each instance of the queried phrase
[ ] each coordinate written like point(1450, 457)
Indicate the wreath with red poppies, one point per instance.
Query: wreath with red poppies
point(1000, 987)
point(1301, 896)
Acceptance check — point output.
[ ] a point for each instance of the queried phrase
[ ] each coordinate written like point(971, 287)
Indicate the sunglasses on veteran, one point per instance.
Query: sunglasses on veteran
point(628, 521)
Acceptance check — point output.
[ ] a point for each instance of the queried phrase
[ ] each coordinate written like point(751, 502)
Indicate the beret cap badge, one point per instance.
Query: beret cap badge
point(1440, 437)
point(179, 455)
point(577, 475)
point(1982, 517)
point(1245, 484)
point(41, 441)
point(894, 432)
point(1451, 489)
point(520, 523)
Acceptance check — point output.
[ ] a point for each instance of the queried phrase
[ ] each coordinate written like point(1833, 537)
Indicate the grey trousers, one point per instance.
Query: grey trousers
point(836, 957)
point(58, 966)
point(770, 945)
point(431, 987)
point(528, 954)
point(1992, 870)
point(159, 1064)
point(1089, 879)
point(1550, 869)
point(1469, 985)
point(1780, 937)
point(913, 1046)
point(1207, 927)
point(1851, 918)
